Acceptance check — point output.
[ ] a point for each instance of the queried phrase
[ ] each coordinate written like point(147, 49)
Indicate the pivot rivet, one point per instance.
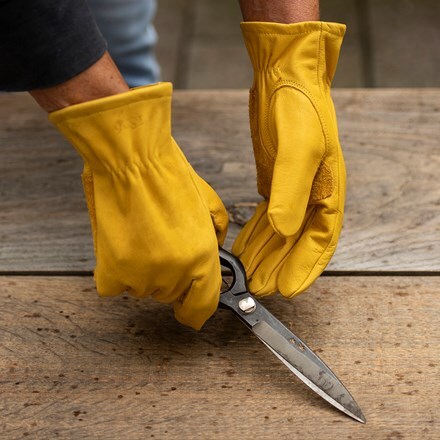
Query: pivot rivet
point(247, 305)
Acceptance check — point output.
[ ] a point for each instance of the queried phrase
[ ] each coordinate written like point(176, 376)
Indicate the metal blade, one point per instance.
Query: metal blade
point(308, 368)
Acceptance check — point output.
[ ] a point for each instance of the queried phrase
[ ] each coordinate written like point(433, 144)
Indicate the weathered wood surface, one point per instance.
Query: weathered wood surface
point(391, 140)
point(74, 366)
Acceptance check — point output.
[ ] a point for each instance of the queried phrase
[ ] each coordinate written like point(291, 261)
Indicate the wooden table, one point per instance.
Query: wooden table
point(74, 365)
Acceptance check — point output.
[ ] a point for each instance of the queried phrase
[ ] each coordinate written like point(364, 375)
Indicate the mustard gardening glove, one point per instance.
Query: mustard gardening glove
point(300, 169)
point(154, 220)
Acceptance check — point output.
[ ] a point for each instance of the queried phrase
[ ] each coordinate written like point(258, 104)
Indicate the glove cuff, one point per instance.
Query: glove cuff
point(117, 131)
point(295, 52)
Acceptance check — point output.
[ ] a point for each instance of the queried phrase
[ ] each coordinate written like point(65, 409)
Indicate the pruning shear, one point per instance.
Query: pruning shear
point(287, 347)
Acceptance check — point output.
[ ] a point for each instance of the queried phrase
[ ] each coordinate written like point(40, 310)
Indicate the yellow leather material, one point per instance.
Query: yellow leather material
point(300, 167)
point(154, 220)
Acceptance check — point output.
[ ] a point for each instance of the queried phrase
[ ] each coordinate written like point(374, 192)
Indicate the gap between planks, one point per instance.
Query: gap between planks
point(330, 273)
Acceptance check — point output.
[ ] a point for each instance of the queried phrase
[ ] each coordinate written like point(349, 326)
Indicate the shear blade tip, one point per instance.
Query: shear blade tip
point(359, 416)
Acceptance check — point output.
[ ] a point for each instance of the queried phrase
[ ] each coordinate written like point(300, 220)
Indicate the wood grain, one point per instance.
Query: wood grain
point(217, 57)
point(74, 366)
point(391, 143)
point(404, 55)
point(169, 23)
point(351, 70)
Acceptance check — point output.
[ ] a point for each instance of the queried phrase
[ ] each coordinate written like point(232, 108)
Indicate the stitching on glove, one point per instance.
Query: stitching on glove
point(294, 34)
point(282, 261)
point(324, 252)
point(318, 57)
point(184, 295)
point(128, 168)
point(300, 88)
point(89, 191)
point(254, 228)
point(250, 263)
point(60, 116)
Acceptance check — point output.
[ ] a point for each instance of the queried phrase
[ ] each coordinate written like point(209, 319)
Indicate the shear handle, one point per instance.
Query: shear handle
point(239, 283)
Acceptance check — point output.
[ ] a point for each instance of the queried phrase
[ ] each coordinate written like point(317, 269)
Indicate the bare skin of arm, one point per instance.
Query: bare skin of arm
point(99, 80)
point(280, 11)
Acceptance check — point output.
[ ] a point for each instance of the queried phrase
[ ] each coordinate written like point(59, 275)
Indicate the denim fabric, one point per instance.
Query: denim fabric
point(131, 38)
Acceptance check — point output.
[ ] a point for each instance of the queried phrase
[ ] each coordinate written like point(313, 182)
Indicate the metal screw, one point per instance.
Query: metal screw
point(247, 305)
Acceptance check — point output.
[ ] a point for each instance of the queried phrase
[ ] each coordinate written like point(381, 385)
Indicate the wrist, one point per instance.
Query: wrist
point(98, 81)
point(280, 11)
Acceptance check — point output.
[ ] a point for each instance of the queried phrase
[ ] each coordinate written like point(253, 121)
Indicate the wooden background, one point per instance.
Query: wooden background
point(73, 365)
point(392, 43)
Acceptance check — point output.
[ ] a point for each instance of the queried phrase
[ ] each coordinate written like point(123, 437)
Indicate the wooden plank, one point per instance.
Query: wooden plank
point(219, 62)
point(405, 39)
point(76, 366)
point(350, 72)
point(391, 144)
point(217, 18)
point(217, 57)
point(169, 26)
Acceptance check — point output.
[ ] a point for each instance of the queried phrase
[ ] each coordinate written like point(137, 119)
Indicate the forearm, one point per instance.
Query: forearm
point(100, 80)
point(280, 11)
point(54, 49)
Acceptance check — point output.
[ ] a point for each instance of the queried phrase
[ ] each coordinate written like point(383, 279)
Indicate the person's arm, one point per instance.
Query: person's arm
point(54, 49)
point(101, 79)
point(280, 11)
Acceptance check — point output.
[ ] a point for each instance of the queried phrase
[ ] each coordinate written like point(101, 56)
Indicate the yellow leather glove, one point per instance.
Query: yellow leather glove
point(154, 220)
point(300, 168)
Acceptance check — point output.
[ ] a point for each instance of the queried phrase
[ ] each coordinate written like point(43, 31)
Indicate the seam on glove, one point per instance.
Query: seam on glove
point(251, 234)
point(128, 168)
point(89, 191)
point(261, 250)
point(293, 34)
point(122, 172)
point(300, 88)
point(202, 199)
point(61, 118)
point(318, 57)
point(322, 186)
point(181, 299)
point(270, 149)
point(306, 224)
point(323, 252)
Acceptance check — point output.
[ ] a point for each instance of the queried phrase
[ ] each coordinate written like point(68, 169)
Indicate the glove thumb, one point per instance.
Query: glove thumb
point(218, 211)
point(297, 132)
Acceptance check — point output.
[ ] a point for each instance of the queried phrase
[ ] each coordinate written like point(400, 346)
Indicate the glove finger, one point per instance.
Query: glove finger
point(254, 251)
point(218, 211)
point(271, 258)
point(168, 292)
point(312, 253)
point(251, 229)
point(106, 285)
point(200, 301)
point(301, 148)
